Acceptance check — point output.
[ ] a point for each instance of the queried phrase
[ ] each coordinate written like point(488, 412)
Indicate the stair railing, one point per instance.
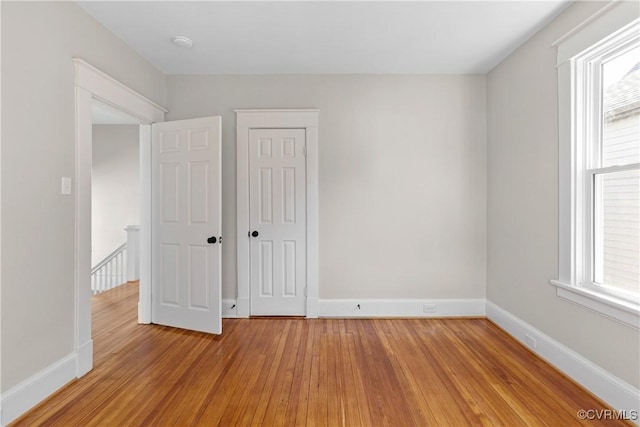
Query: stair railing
point(111, 272)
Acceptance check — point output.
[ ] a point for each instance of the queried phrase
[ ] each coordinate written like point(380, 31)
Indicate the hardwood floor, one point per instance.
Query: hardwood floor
point(326, 372)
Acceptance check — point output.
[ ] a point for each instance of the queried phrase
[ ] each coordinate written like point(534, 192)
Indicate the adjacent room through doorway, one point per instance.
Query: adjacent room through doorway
point(115, 198)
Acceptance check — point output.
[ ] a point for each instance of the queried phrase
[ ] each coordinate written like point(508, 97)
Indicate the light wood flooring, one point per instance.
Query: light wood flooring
point(325, 372)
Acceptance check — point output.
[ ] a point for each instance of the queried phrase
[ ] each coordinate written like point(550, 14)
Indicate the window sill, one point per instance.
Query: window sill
point(617, 309)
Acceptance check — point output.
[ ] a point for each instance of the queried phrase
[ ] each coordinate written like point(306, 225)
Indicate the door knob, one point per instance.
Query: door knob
point(211, 239)
point(255, 233)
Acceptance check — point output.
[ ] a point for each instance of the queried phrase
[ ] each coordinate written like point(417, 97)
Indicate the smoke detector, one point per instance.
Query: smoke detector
point(182, 41)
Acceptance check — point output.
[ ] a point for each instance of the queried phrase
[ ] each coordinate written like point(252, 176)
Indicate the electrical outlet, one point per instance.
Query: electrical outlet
point(531, 341)
point(429, 308)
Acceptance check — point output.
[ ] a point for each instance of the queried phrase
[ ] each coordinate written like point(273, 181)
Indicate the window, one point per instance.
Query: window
point(599, 101)
point(609, 76)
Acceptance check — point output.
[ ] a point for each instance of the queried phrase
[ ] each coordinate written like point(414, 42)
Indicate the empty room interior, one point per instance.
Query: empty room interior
point(280, 213)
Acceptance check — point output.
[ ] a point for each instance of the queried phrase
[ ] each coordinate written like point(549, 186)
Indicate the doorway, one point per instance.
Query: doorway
point(92, 86)
point(185, 161)
point(278, 273)
point(115, 198)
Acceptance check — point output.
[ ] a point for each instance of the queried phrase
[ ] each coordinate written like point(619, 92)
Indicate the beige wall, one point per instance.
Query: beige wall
point(115, 187)
point(523, 204)
point(402, 176)
point(38, 41)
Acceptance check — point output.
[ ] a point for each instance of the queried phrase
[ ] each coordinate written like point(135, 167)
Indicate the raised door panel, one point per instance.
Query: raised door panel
point(265, 268)
point(199, 192)
point(199, 277)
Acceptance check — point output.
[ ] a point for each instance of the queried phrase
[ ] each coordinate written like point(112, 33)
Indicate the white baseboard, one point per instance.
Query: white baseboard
point(401, 307)
point(611, 389)
point(84, 361)
point(24, 396)
point(229, 308)
point(373, 308)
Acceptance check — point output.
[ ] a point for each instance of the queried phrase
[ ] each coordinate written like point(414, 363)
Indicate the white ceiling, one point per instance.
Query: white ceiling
point(266, 37)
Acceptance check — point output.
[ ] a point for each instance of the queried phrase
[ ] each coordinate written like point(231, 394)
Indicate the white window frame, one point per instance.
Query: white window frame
point(587, 80)
point(579, 54)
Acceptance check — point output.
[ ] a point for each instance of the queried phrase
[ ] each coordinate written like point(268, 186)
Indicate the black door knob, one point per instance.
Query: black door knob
point(211, 239)
point(255, 234)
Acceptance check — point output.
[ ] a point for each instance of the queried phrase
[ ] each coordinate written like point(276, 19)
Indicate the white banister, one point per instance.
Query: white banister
point(120, 266)
point(133, 252)
point(111, 271)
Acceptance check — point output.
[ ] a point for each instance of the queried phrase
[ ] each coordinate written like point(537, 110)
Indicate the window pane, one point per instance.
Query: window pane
point(617, 230)
point(621, 110)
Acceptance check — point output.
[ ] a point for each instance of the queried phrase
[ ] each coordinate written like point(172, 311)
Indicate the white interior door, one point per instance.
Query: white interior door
point(277, 196)
point(186, 224)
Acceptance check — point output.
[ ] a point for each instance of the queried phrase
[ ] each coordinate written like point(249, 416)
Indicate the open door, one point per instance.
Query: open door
point(186, 224)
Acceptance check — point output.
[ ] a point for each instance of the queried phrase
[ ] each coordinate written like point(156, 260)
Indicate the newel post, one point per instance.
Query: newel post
point(133, 252)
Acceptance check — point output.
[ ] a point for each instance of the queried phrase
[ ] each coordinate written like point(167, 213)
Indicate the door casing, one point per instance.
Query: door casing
point(306, 119)
point(91, 84)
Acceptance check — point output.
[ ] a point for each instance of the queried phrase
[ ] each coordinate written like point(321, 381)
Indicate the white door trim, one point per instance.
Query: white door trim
point(91, 84)
point(277, 119)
